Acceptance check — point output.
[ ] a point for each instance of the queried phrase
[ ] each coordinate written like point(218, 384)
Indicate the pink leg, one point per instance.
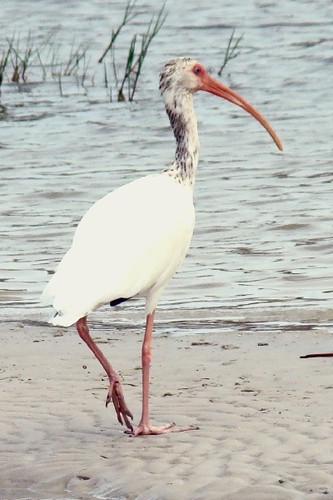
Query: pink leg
point(144, 426)
point(115, 392)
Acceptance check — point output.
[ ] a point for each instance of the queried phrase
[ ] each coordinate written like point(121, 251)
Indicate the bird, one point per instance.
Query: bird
point(133, 240)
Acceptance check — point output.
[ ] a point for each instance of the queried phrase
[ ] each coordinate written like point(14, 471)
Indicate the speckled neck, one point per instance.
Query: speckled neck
point(179, 108)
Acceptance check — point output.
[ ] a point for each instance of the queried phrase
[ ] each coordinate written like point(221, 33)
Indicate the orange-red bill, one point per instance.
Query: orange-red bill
point(221, 90)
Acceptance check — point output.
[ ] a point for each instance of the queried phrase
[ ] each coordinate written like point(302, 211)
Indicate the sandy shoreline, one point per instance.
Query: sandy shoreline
point(265, 417)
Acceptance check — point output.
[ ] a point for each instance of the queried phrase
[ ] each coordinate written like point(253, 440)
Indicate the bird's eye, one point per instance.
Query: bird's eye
point(197, 70)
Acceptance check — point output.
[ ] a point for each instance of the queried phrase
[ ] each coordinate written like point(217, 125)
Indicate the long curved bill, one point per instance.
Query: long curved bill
point(221, 90)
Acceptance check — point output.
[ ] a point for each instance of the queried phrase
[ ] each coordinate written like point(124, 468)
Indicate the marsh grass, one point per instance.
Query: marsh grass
point(136, 54)
point(17, 57)
point(20, 57)
point(24, 59)
point(28, 59)
point(153, 28)
point(76, 57)
point(3, 65)
point(231, 50)
point(129, 15)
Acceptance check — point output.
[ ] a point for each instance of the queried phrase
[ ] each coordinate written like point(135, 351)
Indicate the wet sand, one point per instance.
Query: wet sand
point(265, 416)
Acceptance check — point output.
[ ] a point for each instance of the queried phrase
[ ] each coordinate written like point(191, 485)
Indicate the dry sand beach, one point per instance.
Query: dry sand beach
point(265, 416)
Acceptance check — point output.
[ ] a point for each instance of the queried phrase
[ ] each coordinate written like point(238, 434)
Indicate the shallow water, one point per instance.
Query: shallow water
point(262, 249)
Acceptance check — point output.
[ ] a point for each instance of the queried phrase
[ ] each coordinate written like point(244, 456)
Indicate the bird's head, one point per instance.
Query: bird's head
point(184, 75)
point(179, 75)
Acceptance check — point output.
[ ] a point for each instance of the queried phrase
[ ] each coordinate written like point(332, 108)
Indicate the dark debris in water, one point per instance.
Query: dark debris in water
point(250, 251)
point(229, 346)
point(31, 117)
point(83, 478)
point(3, 112)
point(202, 342)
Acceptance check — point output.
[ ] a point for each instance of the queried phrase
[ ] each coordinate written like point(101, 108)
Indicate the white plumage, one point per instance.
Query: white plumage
point(129, 243)
point(132, 241)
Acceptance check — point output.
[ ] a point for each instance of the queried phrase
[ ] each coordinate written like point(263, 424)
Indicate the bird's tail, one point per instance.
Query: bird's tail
point(64, 319)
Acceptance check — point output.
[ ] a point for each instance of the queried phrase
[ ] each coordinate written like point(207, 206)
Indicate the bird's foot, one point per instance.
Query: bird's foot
point(147, 429)
point(116, 395)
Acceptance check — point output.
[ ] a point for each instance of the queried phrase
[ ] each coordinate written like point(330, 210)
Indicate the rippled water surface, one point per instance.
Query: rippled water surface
point(262, 248)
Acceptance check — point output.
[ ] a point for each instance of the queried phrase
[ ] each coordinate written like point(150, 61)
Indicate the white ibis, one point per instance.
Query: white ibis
point(132, 241)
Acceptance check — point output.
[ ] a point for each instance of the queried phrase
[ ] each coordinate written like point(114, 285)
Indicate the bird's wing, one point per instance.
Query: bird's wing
point(129, 241)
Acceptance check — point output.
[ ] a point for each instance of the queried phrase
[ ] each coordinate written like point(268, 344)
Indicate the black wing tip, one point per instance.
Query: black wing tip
point(115, 302)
